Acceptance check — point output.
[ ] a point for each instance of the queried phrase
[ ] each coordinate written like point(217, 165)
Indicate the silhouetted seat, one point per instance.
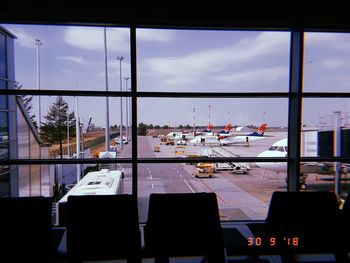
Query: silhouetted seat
point(26, 233)
point(184, 225)
point(299, 222)
point(103, 228)
point(345, 230)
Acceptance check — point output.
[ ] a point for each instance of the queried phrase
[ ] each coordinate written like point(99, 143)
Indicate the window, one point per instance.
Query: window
point(222, 96)
point(326, 131)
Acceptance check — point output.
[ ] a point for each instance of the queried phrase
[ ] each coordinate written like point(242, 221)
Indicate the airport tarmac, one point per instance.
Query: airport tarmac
point(240, 196)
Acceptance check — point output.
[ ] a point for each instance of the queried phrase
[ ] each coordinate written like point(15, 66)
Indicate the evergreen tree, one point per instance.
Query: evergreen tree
point(54, 128)
point(28, 105)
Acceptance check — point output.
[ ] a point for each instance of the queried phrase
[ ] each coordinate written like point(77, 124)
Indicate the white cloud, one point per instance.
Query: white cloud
point(67, 71)
point(23, 38)
point(263, 75)
point(118, 39)
point(154, 35)
point(211, 61)
point(92, 38)
point(333, 63)
point(75, 59)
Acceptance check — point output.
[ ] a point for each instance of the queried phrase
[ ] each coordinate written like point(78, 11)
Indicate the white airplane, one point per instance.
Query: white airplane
point(280, 149)
point(228, 138)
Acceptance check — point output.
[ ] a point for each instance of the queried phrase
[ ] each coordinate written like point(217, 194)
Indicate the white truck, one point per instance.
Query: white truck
point(237, 168)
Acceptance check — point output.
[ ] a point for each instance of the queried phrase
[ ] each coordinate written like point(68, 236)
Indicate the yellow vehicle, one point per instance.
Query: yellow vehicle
point(200, 172)
point(169, 142)
point(206, 167)
point(180, 150)
point(156, 148)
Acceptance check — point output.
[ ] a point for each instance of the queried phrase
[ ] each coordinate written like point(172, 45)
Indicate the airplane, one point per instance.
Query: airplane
point(226, 132)
point(230, 138)
point(181, 135)
point(280, 149)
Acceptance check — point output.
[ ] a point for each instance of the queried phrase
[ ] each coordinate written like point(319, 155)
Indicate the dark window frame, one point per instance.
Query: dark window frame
point(295, 97)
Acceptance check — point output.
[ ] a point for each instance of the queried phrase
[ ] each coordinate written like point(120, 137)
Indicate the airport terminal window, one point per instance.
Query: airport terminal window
point(326, 62)
point(325, 131)
point(212, 60)
point(185, 79)
point(207, 61)
point(2, 56)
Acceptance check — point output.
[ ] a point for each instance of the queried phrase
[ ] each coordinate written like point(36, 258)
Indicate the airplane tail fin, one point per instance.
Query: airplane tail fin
point(260, 131)
point(209, 128)
point(226, 130)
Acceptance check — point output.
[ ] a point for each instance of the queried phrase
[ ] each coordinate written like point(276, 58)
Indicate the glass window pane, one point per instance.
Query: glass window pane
point(92, 117)
point(3, 101)
point(180, 127)
point(3, 126)
point(4, 150)
point(322, 176)
point(70, 57)
point(326, 62)
point(321, 117)
point(240, 196)
point(212, 61)
point(2, 56)
point(4, 181)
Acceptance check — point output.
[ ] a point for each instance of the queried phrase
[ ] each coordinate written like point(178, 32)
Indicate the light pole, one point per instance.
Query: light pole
point(127, 109)
point(209, 106)
point(77, 133)
point(120, 58)
point(107, 146)
point(194, 121)
point(69, 122)
point(38, 44)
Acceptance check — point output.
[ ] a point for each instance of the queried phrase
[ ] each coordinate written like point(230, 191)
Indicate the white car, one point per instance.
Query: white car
point(181, 142)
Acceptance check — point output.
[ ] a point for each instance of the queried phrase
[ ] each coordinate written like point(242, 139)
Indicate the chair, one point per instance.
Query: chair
point(344, 243)
point(184, 224)
point(103, 227)
point(299, 222)
point(26, 233)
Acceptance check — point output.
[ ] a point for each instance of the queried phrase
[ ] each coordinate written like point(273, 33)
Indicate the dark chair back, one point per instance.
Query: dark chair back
point(344, 224)
point(26, 231)
point(184, 224)
point(103, 228)
point(307, 218)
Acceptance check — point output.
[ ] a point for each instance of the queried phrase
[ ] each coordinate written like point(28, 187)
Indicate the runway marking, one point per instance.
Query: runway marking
point(150, 175)
point(219, 197)
point(189, 186)
point(152, 186)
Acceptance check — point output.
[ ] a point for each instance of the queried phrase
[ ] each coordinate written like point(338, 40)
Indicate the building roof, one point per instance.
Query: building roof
point(6, 32)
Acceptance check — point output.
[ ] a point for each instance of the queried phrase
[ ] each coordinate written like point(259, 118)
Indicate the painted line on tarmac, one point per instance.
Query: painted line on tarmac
point(189, 186)
point(219, 197)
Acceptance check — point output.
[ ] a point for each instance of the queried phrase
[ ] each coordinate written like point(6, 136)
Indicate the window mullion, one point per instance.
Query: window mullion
point(294, 121)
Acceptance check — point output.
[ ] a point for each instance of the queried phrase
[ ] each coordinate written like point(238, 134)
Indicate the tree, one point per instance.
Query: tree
point(54, 129)
point(28, 105)
point(27, 102)
point(142, 129)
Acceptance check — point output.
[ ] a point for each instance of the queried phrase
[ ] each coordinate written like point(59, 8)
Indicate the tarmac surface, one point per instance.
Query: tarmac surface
point(240, 196)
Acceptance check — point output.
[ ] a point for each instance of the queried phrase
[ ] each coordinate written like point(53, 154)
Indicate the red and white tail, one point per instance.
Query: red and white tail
point(260, 131)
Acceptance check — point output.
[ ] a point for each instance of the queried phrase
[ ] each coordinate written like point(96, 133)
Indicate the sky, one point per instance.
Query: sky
point(72, 57)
